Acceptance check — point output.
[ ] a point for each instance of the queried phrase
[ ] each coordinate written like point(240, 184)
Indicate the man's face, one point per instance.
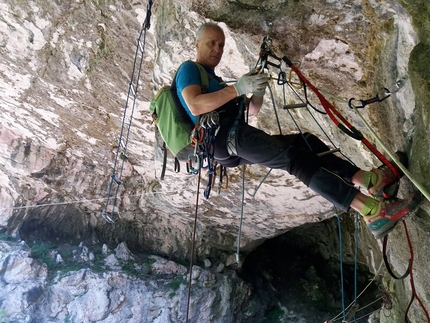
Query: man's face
point(210, 47)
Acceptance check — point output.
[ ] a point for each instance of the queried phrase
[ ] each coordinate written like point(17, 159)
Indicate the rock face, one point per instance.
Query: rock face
point(65, 72)
point(131, 293)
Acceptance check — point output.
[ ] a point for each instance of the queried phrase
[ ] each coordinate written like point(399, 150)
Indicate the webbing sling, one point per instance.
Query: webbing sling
point(345, 126)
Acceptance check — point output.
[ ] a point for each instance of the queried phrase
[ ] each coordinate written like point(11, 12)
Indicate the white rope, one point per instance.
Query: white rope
point(77, 201)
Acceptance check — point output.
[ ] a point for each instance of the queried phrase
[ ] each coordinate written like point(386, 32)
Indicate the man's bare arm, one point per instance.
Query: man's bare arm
point(200, 103)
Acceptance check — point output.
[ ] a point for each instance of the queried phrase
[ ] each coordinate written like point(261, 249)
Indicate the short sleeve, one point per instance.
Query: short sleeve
point(188, 74)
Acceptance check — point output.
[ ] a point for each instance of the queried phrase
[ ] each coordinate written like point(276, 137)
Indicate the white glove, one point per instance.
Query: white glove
point(260, 93)
point(250, 82)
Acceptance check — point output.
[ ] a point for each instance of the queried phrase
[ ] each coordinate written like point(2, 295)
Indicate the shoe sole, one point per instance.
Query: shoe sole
point(391, 190)
point(416, 201)
point(383, 234)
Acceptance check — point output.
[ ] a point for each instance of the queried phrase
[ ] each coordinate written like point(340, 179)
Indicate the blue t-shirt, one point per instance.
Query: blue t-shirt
point(189, 74)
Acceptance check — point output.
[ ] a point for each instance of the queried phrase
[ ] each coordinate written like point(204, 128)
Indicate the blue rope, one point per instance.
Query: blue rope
point(341, 262)
point(239, 234)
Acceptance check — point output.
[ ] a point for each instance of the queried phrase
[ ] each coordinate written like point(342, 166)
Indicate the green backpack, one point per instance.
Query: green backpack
point(173, 124)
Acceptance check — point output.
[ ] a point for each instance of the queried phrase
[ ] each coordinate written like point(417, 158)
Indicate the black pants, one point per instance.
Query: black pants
point(329, 176)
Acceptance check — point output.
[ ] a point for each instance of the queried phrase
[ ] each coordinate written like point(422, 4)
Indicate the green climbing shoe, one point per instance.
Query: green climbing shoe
point(381, 182)
point(384, 215)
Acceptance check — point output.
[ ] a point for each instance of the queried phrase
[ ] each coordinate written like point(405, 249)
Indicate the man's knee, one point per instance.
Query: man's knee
point(311, 142)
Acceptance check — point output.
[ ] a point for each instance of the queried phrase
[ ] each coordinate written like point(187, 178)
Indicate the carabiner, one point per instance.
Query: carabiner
point(383, 94)
point(204, 120)
point(294, 85)
point(197, 135)
point(284, 78)
point(224, 176)
point(192, 169)
point(205, 163)
point(208, 188)
point(214, 117)
point(218, 127)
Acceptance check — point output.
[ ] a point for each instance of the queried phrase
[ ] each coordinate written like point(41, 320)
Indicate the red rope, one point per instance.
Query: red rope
point(332, 112)
point(414, 291)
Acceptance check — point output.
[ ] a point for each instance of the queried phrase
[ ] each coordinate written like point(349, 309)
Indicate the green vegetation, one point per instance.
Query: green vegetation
point(175, 283)
point(2, 315)
point(41, 253)
point(274, 315)
point(137, 268)
point(45, 251)
point(420, 13)
point(99, 3)
point(6, 237)
point(132, 269)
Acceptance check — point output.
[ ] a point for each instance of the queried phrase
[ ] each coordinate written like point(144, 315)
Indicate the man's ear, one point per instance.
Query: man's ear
point(197, 44)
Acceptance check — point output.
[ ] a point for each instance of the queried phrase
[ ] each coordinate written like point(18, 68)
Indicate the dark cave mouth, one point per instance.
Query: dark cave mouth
point(290, 270)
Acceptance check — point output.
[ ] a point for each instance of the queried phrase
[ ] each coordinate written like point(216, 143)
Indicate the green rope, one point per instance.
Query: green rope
point(421, 188)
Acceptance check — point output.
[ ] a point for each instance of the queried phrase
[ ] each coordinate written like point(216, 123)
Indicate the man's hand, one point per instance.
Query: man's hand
point(260, 93)
point(250, 82)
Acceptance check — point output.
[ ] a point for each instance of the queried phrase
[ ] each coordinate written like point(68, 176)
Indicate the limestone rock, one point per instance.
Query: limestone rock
point(208, 263)
point(220, 268)
point(163, 266)
point(84, 295)
point(122, 252)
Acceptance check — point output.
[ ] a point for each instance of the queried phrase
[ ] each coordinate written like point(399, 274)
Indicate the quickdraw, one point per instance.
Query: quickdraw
point(197, 136)
point(223, 178)
point(203, 140)
point(383, 94)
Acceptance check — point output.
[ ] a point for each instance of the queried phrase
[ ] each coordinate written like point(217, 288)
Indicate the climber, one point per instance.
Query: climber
point(238, 143)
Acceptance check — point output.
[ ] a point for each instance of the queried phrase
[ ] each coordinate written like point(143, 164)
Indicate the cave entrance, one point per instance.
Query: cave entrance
point(299, 271)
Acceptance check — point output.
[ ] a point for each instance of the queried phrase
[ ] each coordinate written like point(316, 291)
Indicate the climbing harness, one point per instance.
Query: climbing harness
point(121, 153)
